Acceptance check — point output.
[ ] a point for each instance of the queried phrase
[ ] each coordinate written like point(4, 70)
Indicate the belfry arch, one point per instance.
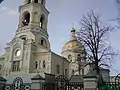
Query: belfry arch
point(42, 20)
point(25, 18)
point(35, 1)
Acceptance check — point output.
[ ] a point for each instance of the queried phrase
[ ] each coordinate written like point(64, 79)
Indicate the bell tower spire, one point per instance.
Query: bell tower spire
point(36, 1)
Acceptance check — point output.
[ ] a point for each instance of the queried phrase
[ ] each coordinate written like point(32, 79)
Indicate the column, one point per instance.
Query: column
point(90, 82)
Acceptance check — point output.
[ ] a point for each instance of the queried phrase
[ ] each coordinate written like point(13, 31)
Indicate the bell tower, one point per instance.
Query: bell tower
point(31, 38)
point(33, 14)
point(33, 21)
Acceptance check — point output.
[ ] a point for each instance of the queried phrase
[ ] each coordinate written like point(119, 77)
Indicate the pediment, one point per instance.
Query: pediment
point(15, 42)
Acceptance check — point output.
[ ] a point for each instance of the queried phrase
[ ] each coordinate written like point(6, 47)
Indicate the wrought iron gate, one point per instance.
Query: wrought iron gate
point(62, 83)
point(17, 85)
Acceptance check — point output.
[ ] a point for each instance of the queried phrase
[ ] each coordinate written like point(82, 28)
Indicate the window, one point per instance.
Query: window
point(44, 64)
point(36, 1)
point(70, 57)
point(23, 37)
point(26, 19)
point(0, 67)
point(43, 42)
point(73, 72)
point(36, 65)
point(16, 66)
point(79, 57)
point(66, 72)
point(18, 52)
point(58, 69)
point(41, 21)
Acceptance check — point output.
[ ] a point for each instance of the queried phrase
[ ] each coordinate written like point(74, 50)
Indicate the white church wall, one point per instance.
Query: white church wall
point(62, 62)
point(40, 58)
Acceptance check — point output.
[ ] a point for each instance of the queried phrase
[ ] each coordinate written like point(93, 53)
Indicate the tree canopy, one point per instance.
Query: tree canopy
point(94, 35)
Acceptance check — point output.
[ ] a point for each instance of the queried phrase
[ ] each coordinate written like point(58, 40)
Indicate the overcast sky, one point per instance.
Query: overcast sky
point(63, 13)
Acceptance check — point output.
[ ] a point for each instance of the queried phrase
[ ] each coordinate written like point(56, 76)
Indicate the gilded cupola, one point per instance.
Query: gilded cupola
point(73, 44)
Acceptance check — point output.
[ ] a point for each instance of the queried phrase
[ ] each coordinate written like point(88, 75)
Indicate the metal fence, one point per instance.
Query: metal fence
point(62, 83)
point(111, 85)
point(16, 85)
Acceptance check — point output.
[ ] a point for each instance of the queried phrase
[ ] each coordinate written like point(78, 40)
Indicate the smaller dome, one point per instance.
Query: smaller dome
point(73, 45)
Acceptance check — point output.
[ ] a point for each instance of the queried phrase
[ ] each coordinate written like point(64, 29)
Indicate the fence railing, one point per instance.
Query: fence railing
point(109, 86)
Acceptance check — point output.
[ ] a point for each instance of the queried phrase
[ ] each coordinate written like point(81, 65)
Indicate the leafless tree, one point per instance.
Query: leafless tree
point(94, 35)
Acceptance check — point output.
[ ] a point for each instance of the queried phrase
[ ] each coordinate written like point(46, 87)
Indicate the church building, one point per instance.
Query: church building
point(29, 51)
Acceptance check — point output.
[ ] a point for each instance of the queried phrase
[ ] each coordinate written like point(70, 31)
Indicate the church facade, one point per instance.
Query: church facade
point(29, 51)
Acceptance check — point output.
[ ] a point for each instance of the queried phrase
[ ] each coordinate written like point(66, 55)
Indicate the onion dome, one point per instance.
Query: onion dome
point(73, 44)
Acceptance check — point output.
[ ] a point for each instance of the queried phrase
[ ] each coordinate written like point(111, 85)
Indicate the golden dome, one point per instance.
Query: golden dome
point(73, 45)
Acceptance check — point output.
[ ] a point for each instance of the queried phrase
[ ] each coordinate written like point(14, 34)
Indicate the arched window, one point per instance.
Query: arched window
point(44, 64)
point(36, 1)
point(36, 65)
point(58, 69)
point(26, 19)
point(70, 57)
point(23, 37)
point(79, 57)
point(42, 21)
point(66, 72)
point(73, 72)
point(43, 42)
point(29, 1)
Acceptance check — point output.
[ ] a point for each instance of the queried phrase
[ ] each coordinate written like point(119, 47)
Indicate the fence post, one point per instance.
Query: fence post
point(2, 83)
point(90, 82)
point(37, 82)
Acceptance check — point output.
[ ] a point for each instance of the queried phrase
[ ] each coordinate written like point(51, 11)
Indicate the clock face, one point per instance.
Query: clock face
point(18, 52)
